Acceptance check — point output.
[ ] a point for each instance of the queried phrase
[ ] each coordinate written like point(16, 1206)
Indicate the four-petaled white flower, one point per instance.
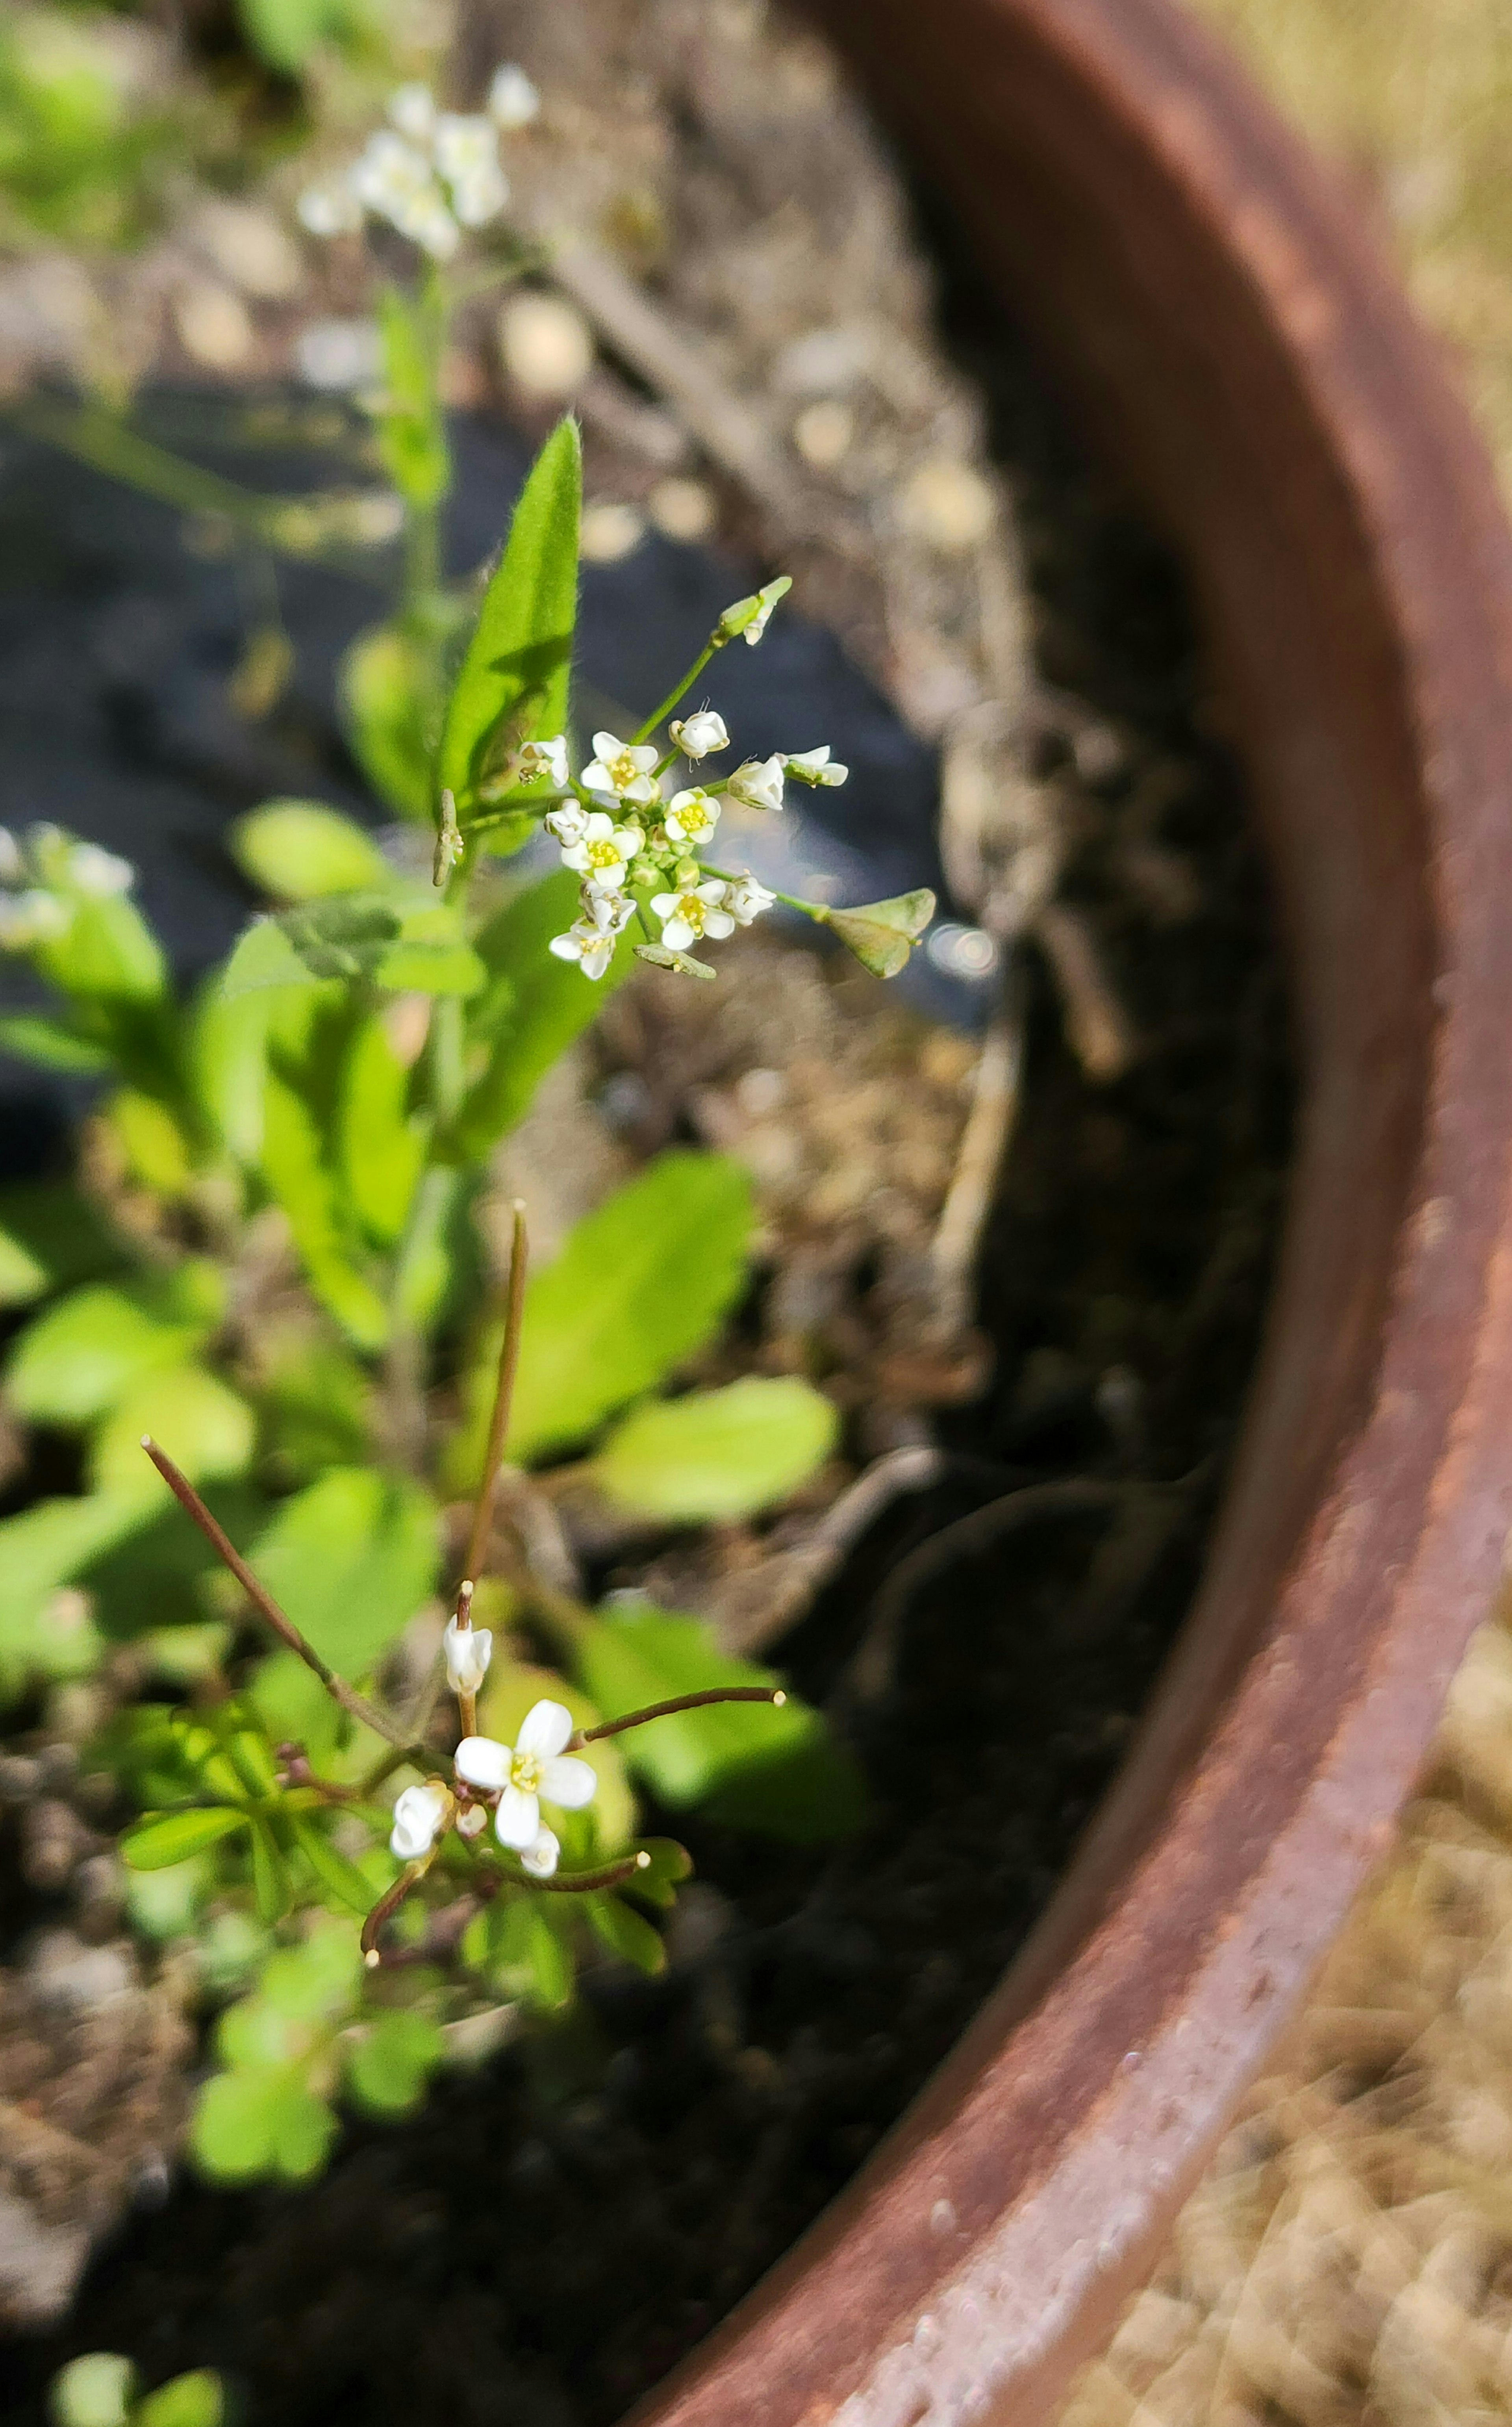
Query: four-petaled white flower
point(428, 172)
point(603, 852)
point(419, 1814)
point(621, 768)
point(534, 1765)
point(758, 783)
point(541, 1859)
point(468, 1651)
point(548, 759)
point(746, 898)
point(816, 766)
point(697, 910)
point(466, 157)
point(513, 99)
point(692, 818)
point(699, 733)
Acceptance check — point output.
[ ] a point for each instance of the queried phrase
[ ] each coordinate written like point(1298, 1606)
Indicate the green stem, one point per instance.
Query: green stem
point(710, 648)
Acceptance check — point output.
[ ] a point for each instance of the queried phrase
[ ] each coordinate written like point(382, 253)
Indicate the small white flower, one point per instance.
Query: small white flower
point(548, 759)
point(610, 913)
point(534, 1765)
point(699, 733)
point(769, 597)
point(621, 768)
point(412, 111)
point(468, 1651)
point(12, 866)
point(330, 209)
point(692, 818)
point(466, 155)
point(568, 821)
point(697, 910)
point(603, 851)
point(395, 183)
point(472, 1819)
point(419, 1816)
point(758, 783)
point(32, 918)
point(591, 946)
point(746, 898)
point(816, 766)
point(98, 872)
point(513, 99)
point(541, 1859)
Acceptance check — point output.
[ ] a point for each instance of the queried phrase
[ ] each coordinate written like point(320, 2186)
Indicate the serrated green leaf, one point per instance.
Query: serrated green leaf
point(161, 1838)
point(351, 1559)
point(298, 850)
point(642, 1284)
point(534, 1007)
point(779, 1771)
point(714, 1456)
point(513, 685)
point(197, 2398)
point(51, 1045)
point(627, 1933)
point(78, 1360)
point(340, 1877)
point(383, 703)
point(388, 2065)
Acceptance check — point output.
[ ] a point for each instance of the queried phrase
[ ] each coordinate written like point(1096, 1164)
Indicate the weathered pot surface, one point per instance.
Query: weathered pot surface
point(1240, 348)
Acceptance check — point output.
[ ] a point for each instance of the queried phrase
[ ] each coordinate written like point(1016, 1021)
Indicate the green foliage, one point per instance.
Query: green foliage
point(297, 851)
point(96, 2390)
point(352, 1558)
point(513, 685)
point(80, 1359)
point(534, 1008)
point(714, 1456)
point(411, 434)
point(288, 34)
point(384, 699)
point(79, 162)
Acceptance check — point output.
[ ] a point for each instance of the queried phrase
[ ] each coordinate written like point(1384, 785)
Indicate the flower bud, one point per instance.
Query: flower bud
point(420, 1814)
point(541, 1859)
point(752, 615)
point(468, 1651)
point(699, 733)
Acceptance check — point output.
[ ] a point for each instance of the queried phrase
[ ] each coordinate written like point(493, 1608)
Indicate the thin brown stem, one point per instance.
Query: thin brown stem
point(773, 1694)
point(499, 1423)
point(388, 1905)
point(584, 1882)
point(356, 1705)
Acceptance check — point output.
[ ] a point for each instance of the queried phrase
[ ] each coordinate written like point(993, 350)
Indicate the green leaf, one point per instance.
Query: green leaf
point(627, 1933)
point(197, 2398)
point(108, 954)
point(343, 935)
point(513, 685)
point(529, 1956)
point(22, 1277)
point(63, 1232)
point(208, 1429)
point(339, 1878)
point(642, 1284)
point(657, 1884)
point(80, 1359)
point(714, 1456)
point(297, 851)
point(228, 1059)
point(318, 1980)
point(316, 1402)
point(382, 1145)
point(261, 2120)
point(44, 1547)
point(388, 2065)
point(94, 2391)
point(263, 956)
point(309, 1192)
point(534, 1008)
point(778, 1770)
point(384, 702)
point(153, 1144)
point(272, 1893)
point(351, 1559)
point(161, 1838)
point(882, 935)
point(412, 433)
point(47, 1042)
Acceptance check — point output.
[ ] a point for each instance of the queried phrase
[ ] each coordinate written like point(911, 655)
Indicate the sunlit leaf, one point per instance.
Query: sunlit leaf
point(534, 1007)
point(389, 2064)
point(197, 2398)
point(78, 1360)
point(297, 851)
point(382, 1145)
point(382, 698)
point(261, 2121)
point(206, 1427)
point(310, 1194)
point(351, 1559)
point(33, 1038)
point(95, 2391)
point(714, 1456)
point(161, 1838)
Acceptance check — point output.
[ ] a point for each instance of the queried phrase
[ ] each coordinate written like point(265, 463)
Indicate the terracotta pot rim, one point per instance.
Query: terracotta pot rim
point(1223, 317)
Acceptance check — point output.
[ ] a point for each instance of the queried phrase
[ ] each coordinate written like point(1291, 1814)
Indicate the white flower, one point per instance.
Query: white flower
point(697, 910)
point(541, 1859)
point(591, 946)
point(768, 598)
point(610, 913)
point(817, 766)
point(699, 733)
point(603, 851)
point(395, 183)
point(568, 821)
point(468, 1651)
point(412, 111)
point(534, 1765)
point(330, 209)
point(692, 818)
point(31, 917)
point(466, 155)
point(758, 783)
point(513, 99)
point(621, 768)
point(419, 1814)
point(746, 898)
point(12, 866)
point(547, 759)
point(98, 872)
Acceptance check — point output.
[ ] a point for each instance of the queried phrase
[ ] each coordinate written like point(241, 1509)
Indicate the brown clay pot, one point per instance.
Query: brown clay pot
point(1237, 344)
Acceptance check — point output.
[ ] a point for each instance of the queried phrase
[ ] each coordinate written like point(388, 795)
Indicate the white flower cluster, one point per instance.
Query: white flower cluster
point(432, 173)
point(637, 850)
point(513, 1780)
point(42, 876)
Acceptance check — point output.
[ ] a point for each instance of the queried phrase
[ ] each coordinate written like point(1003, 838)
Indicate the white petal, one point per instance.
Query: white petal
point(517, 1821)
point(541, 1859)
point(599, 827)
point(664, 905)
point(482, 1762)
point(642, 755)
point(607, 745)
point(544, 1730)
point(569, 1782)
point(677, 934)
point(717, 924)
point(566, 947)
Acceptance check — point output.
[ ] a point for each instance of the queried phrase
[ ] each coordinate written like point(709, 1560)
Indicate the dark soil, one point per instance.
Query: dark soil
point(550, 2237)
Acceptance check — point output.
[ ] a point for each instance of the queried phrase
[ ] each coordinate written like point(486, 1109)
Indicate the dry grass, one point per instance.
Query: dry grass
point(1348, 2255)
